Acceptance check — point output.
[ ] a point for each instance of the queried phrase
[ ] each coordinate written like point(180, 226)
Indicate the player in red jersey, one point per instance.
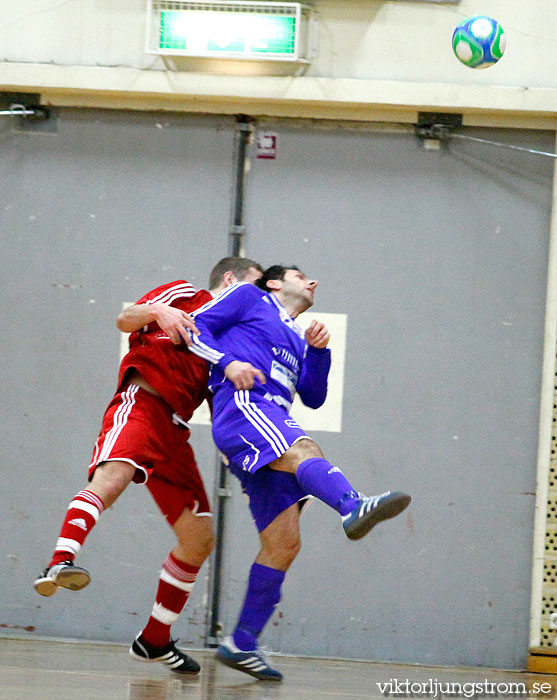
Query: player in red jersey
point(145, 438)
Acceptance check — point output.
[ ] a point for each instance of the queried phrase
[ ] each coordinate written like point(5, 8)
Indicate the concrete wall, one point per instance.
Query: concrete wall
point(363, 39)
point(437, 262)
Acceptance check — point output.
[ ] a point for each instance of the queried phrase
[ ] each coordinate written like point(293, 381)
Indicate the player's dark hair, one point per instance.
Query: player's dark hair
point(239, 266)
point(275, 272)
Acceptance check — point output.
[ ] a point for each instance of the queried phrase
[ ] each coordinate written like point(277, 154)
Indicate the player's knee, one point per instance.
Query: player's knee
point(306, 449)
point(205, 539)
point(292, 547)
point(283, 552)
point(289, 552)
point(196, 550)
point(207, 543)
point(296, 454)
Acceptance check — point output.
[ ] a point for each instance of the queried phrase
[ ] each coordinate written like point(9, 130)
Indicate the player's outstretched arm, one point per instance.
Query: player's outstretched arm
point(170, 320)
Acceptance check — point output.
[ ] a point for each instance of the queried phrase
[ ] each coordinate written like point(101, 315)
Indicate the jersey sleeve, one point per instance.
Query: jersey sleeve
point(312, 384)
point(169, 293)
point(215, 317)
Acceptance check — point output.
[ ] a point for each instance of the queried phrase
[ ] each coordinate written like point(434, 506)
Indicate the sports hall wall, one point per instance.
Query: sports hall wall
point(433, 269)
point(364, 39)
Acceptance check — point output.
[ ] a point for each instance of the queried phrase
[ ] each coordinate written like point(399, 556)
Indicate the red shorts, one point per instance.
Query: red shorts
point(142, 429)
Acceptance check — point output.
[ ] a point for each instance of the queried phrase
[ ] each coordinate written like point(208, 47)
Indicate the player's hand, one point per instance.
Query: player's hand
point(243, 374)
point(317, 335)
point(175, 323)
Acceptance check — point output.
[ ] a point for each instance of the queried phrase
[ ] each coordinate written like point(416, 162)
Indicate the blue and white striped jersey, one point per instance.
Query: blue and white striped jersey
point(247, 324)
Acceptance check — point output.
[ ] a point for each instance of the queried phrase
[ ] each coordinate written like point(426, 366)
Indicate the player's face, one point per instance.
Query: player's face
point(297, 286)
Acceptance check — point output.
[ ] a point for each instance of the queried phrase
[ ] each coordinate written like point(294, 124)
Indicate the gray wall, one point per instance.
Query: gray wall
point(93, 216)
point(439, 260)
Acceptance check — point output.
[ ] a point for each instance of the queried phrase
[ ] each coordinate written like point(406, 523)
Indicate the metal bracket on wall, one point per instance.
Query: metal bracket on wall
point(246, 125)
point(28, 115)
point(223, 492)
point(435, 128)
point(237, 230)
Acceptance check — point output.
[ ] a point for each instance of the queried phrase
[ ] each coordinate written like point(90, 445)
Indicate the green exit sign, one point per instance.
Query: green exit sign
point(222, 33)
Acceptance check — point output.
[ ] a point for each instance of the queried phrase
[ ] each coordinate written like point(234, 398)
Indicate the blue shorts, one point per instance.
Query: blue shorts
point(269, 493)
point(252, 430)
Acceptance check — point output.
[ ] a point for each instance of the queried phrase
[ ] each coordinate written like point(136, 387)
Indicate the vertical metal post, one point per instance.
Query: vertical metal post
point(546, 428)
point(244, 129)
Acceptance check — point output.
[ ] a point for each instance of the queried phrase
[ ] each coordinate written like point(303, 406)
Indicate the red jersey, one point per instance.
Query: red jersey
point(178, 375)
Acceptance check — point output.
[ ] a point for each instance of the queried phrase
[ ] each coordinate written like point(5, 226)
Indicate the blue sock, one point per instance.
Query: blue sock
point(262, 596)
point(328, 483)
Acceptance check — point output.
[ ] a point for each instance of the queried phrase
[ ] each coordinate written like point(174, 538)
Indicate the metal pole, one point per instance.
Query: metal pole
point(244, 129)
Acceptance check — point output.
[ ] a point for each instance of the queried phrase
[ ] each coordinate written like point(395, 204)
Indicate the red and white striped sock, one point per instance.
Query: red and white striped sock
point(81, 518)
point(175, 585)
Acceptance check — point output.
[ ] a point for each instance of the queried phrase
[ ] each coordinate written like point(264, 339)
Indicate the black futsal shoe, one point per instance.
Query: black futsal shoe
point(371, 510)
point(63, 575)
point(169, 655)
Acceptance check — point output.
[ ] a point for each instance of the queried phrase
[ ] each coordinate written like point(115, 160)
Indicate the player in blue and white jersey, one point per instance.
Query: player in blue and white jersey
point(260, 358)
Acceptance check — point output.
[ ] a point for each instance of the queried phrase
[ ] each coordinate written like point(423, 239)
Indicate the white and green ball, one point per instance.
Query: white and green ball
point(479, 41)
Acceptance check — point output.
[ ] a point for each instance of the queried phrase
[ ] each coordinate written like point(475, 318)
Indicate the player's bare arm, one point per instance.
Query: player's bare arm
point(317, 335)
point(170, 320)
point(243, 374)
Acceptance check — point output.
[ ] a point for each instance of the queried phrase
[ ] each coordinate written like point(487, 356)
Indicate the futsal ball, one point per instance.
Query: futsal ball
point(479, 41)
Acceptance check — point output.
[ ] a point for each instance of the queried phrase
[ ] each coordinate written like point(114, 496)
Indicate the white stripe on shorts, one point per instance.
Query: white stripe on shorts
point(265, 419)
point(239, 400)
point(94, 461)
point(261, 423)
point(120, 420)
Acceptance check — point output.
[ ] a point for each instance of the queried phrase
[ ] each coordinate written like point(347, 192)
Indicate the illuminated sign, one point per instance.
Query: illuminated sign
point(224, 33)
point(253, 29)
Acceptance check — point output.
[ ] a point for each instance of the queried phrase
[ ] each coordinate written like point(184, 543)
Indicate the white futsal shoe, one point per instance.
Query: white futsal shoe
point(63, 575)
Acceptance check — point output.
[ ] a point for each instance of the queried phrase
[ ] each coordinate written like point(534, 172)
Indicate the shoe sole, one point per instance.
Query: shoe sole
point(72, 580)
point(384, 511)
point(45, 587)
point(242, 669)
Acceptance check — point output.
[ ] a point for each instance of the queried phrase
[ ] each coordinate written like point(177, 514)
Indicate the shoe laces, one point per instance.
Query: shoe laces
point(263, 652)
